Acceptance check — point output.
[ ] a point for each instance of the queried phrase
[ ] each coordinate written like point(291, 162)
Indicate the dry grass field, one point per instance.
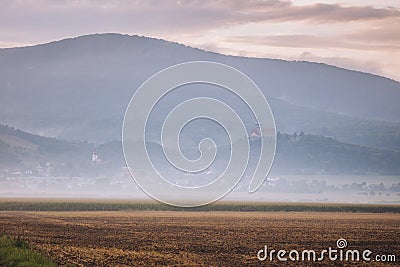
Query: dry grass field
point(179, 238)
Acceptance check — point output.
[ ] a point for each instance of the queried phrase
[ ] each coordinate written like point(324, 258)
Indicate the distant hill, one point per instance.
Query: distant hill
point(79, 88)
point(323, 155)
point(23, 151)
point(296, 154)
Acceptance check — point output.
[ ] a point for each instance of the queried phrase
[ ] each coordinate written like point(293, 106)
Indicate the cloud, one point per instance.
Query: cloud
point(176, 15)
point(381, 31)
point(334, 13)
point(313, 41)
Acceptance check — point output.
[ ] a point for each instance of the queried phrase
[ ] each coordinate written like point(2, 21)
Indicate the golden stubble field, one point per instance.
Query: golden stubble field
point(177, 238)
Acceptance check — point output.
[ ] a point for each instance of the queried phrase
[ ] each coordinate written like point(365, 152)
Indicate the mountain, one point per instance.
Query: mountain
point(79, 89)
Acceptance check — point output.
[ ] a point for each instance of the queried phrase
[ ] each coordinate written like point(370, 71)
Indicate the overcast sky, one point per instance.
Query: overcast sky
point(356, 34)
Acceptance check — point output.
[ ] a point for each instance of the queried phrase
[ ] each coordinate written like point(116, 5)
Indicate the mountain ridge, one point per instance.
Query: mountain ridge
point(186, 46)
point(296, 154)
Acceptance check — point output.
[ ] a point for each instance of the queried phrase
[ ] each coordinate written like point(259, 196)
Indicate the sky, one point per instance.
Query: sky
point(356, 34)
